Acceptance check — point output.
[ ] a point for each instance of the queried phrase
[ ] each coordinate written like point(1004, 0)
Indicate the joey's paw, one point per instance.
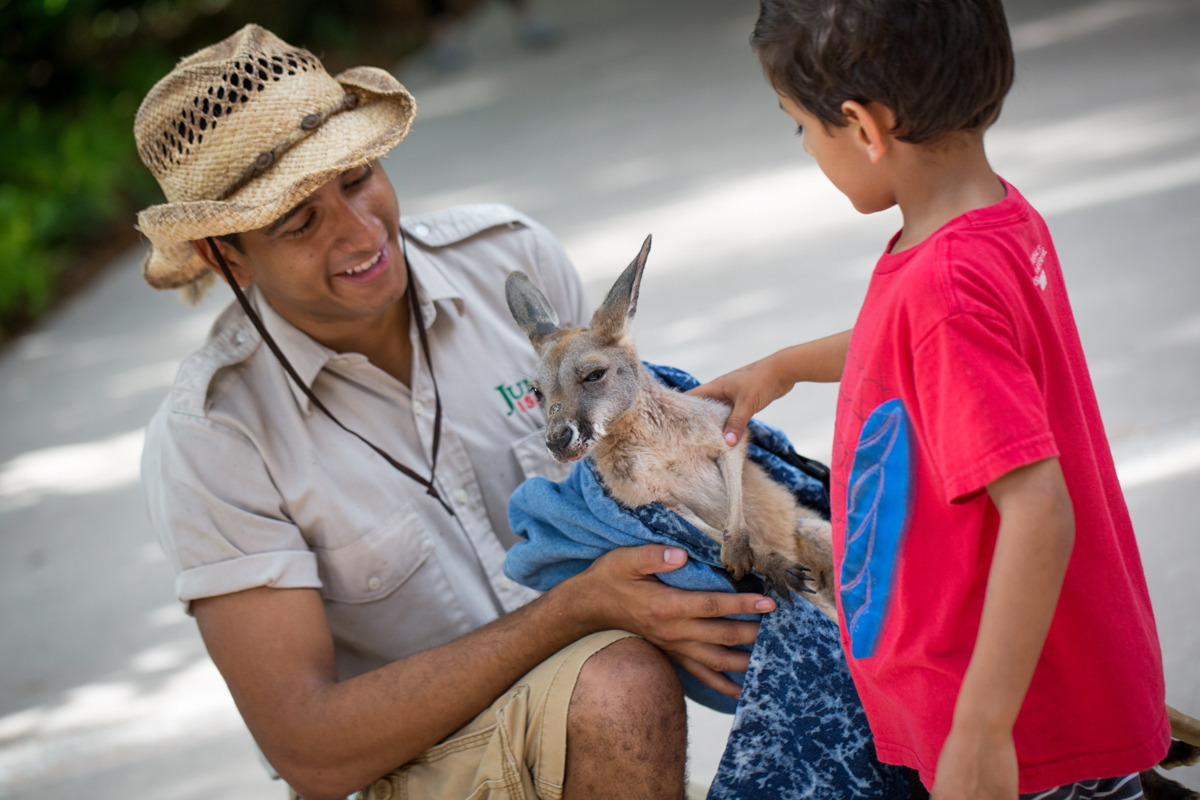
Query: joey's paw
point(783, 576)
point(736, 554)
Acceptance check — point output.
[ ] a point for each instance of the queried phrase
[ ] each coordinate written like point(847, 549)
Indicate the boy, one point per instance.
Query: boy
point(992, 602)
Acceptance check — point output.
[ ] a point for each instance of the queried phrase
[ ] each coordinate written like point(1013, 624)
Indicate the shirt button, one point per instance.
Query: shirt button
point(374, 583)
point(505, 583)
point(418, 408)
point(421, 229)
point(240, 337)
point(460, 497)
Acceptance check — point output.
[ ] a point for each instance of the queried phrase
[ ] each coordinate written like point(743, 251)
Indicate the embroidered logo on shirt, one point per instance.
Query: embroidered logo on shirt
point(1038, 256)
point(519, 397)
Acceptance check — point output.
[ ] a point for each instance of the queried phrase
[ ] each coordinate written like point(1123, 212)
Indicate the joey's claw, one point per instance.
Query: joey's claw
point(797, 579)
point(736, 555)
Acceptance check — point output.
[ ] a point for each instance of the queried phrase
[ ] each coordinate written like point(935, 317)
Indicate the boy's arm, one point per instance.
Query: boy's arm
point(1033, 546)
point(753, 387)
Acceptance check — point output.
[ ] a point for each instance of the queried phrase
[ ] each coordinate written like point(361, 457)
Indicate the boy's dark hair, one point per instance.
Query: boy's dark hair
point(939, 65)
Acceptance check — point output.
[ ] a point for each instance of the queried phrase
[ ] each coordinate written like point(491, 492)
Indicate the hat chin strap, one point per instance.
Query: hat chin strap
point(410, 291)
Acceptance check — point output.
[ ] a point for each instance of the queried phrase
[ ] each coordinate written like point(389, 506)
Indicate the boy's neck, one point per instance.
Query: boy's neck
point(935, 184)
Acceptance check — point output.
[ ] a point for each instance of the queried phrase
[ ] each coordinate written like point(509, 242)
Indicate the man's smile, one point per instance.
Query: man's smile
point(368, 270)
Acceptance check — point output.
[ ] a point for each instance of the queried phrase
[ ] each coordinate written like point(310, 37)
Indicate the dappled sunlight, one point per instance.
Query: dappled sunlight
point(99, 466)
point(104, 722)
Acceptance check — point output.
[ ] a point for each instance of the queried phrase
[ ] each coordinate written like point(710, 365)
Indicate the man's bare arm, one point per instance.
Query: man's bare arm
point(330, 738)
point(1033, 546)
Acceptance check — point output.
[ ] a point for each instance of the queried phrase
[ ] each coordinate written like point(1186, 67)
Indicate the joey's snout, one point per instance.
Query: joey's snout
point(567, 442)
point(559, 441)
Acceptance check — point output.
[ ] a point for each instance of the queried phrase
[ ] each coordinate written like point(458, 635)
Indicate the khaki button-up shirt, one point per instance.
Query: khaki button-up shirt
point(249, 485)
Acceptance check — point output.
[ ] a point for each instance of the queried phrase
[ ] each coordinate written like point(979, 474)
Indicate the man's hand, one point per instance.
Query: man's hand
point(977, 764)
point(624, 592)
point(755, 386)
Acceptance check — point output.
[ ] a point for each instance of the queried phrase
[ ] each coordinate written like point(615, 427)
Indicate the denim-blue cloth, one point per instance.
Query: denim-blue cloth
point(799, 730)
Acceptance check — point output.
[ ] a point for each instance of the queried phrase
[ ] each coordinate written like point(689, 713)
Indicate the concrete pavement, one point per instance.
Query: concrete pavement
point(652, 117)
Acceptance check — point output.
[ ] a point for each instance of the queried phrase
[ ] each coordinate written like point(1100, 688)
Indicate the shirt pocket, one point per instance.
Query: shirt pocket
point(377, 564)
point(535, 459)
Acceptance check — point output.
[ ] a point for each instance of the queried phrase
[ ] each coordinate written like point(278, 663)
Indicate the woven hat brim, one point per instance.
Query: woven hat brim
point(346, 140)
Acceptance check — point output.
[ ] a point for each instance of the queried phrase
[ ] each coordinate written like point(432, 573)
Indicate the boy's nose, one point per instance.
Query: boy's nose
point(560, 439)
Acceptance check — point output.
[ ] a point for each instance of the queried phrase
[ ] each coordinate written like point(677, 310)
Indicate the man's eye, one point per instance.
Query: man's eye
point(367, 170)
point(594, 375)
point(298, 231)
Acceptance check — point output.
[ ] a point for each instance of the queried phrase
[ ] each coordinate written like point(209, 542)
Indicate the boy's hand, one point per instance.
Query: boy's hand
point(749, 390)
point(755, 386)
point(976, 765)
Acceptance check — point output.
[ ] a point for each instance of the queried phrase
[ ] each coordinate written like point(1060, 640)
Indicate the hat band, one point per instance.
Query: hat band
point(309, 124)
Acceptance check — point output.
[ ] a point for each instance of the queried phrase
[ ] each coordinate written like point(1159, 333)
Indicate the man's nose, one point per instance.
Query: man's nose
point(560, 439)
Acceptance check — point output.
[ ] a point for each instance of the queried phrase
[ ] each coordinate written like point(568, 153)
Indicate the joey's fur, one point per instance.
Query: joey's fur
point(651, 444)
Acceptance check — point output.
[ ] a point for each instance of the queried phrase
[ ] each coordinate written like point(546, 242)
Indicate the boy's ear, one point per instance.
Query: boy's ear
point(621, 304)
point(530, 308)
point(873, 124)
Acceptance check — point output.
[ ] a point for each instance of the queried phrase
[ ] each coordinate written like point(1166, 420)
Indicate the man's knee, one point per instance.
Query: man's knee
point(630, 681)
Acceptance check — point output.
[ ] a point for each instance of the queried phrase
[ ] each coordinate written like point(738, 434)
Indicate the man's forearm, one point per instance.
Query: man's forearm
point(439, 690)
point(818, 361)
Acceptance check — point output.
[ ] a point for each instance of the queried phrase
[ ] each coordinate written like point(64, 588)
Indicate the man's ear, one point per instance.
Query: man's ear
point(620, 305)
point(232, 259)
point(873, 124)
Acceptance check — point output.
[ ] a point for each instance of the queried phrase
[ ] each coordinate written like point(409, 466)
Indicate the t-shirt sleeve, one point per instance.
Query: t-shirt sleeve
point(217, 512)
point(560, 279)
point(980, 408)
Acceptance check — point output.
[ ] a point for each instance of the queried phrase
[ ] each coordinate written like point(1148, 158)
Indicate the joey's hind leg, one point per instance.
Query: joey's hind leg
point(736, 554)
point(780, 574)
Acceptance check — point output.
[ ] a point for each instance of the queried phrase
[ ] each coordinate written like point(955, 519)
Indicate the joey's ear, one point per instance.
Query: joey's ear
point(530, 308)
point(621, 304)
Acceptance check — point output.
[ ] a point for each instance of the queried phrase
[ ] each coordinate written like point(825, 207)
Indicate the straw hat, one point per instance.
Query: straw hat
point(241, 131)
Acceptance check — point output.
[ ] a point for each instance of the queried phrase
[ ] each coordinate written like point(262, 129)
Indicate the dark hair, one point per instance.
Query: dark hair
point(939, 65)
point(234, 240)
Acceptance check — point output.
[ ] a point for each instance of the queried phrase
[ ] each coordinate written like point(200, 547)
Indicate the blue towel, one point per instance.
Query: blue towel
point(799, 730)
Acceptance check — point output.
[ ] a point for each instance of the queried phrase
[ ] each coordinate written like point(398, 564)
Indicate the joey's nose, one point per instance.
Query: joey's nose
point(560, 440)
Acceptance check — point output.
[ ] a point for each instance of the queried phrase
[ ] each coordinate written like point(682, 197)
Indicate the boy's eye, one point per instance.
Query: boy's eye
point(800, 130)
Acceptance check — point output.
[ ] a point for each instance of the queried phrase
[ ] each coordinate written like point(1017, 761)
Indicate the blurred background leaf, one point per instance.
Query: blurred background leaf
point(72, 73)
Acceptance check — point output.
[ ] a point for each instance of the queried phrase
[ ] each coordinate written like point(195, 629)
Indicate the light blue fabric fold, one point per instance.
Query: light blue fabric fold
point(799, 730)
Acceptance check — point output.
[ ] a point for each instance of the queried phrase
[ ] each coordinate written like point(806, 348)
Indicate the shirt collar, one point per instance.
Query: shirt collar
point(308, 356)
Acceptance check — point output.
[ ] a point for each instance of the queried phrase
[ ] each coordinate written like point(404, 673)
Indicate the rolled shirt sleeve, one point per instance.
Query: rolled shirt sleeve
point(217, 512)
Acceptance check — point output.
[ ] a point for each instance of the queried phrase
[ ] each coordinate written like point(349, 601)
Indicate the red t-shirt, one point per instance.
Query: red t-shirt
point(965, 364)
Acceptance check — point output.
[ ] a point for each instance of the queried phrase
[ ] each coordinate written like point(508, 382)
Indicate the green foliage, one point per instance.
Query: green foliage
point(72, 73)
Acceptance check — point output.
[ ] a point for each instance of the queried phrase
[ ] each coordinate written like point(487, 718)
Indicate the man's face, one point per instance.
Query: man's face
point(335, 256)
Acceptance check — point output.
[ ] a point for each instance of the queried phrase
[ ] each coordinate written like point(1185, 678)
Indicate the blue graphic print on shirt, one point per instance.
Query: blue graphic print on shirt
point(878, 501)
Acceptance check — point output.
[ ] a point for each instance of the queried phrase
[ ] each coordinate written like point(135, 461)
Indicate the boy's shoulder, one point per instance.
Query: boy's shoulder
point(992, 262)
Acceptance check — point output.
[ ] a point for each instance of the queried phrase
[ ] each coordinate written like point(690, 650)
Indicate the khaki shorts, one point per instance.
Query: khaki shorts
point(515, 750)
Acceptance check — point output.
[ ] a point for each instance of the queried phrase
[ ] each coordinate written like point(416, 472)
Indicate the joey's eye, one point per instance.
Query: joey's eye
point(594, 375)
point(537, 393)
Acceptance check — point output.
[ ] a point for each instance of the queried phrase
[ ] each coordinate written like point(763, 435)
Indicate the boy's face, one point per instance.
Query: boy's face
point(849, 156)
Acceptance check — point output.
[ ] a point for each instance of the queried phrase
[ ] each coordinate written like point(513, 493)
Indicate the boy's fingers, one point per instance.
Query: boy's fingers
point(735, 426)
